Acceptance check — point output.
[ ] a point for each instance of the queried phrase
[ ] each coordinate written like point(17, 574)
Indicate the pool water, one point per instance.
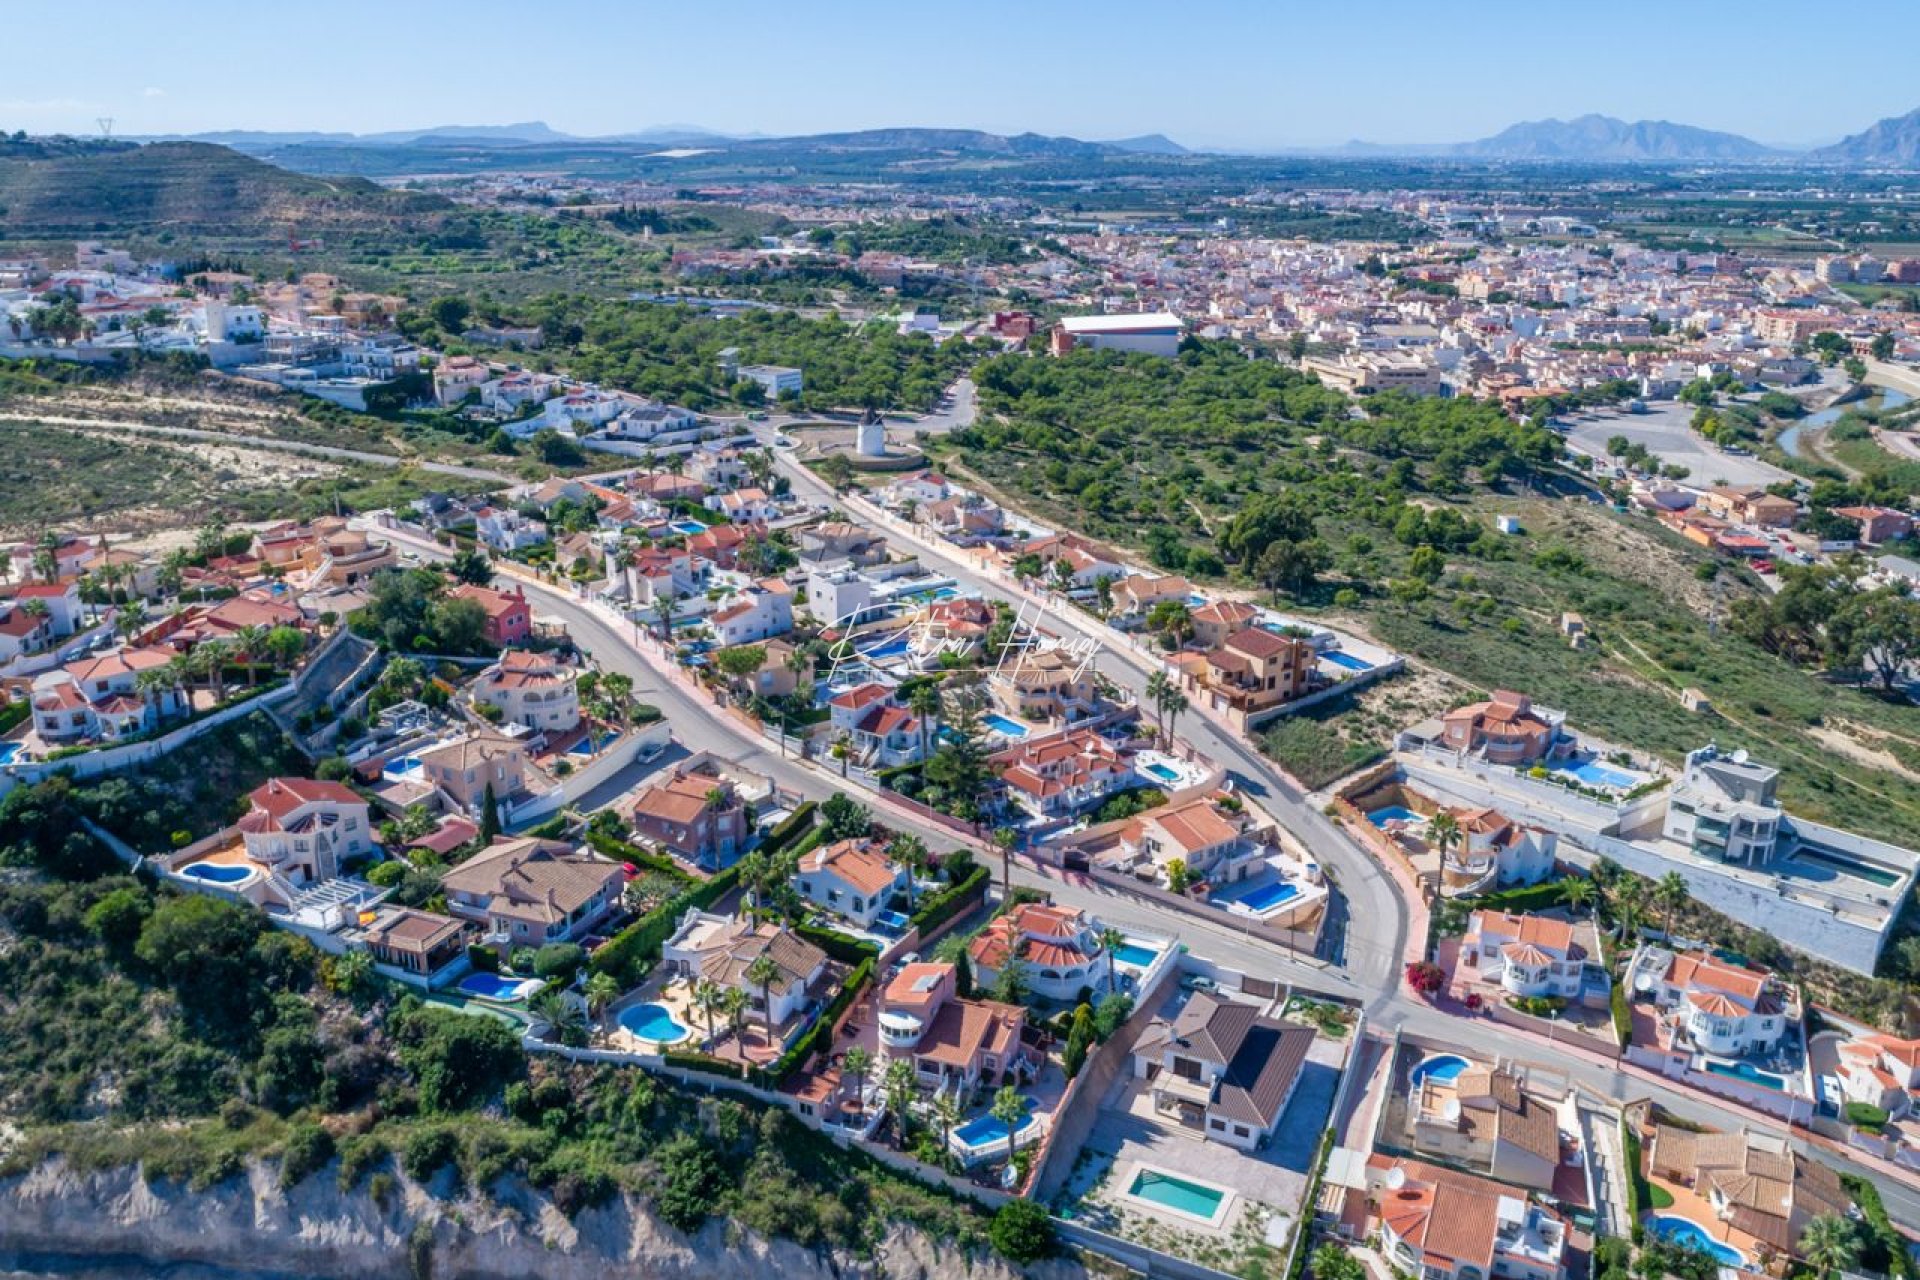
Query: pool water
point(1269, 896)
point(1346, 660)
point(402, 767)
point(1748, 1072)
point(688, 527)
point(1392, 813)
point(1595, 774)
point(1004, 727)
point(1163, 772)
point(587, 746)
point(1685, 1231)
point(218, 872)
point(889, 649)
point(984, 1130)
point(654, 1022)
point(1169, 1192)
point(8, 750)
point(1445, 1068)
point(493, 986)
point(1134, 953)
point(1812, 856)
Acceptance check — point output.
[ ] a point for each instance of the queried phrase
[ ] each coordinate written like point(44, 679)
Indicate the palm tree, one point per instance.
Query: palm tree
point(602, 990)
point(754, 870)
point(1159, 684)
point(619, 691)
point(1830, 1244)
point(899, 1085)
point(561, 1015)
point(1111, 938)
point(131, 619)
point(1175, 703)
point(1578, 891)
point(1004, 839)
point(946, 1114)
point(924, 702)
point(910, 851)
point(762, 973)
point(733, 1006)
point(1630, 905)
point(708, 997)
point(1443, 832)
point(249, 643)
point(1672, 894)
point(663, 607)
point(855, 1067)
point(1009, 1108)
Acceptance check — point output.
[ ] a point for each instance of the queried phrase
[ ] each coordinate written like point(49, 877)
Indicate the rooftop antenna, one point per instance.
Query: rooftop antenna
point(106, 127)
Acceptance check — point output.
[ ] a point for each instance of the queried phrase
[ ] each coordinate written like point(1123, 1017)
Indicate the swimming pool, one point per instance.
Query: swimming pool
point(1004, 727)
point(587, 746)
point(1809, 854)
point(1194, 1199)
point(495, 986)
point(1445, 1068)
point(8, 750)
point(688, 527)
point(401, 767)
point(1748, 1072)
point(1595, 774)
point(654, 1022)
point(1392, 813)
point(218, 872)
point(1685, 1231)
point(984, 1131)
point(1163, 772)
point(886, 649)
point(1134, 953)
point(1346, 660)
point(1268, 896)
point(893, 922)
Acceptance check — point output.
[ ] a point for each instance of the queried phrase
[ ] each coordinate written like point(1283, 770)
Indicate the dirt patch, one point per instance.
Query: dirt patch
point(1855, 742)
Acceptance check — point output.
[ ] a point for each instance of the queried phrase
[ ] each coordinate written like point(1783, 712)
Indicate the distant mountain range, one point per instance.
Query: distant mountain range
point(1604, 138)
point(1892, 143)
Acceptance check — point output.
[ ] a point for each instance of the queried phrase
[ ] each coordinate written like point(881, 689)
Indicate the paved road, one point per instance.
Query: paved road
point(268, 443)
point(1665, 433)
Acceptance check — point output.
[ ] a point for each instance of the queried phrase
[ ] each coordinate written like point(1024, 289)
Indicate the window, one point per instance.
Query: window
point(1240, 1131)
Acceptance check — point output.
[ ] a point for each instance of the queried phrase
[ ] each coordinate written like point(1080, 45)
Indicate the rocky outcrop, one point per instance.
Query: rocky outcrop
point(57, 1219)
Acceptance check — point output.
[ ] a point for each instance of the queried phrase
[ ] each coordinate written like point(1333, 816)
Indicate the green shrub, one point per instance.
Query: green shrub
point(1022, 1231)
point(823, 1027)
point(308, 1149)
point(428, 1151)
point(790, 828)
point(558, 961)
point(938, 908)
point(1863, 1115)
point(839, 946)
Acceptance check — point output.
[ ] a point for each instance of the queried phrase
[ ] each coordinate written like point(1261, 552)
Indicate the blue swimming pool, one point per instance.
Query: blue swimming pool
point(1004, 727)
point(401, 767)
point(654, 1022)
point(587, 746)
point(1445, 1068)
point(1268, 896)
point(1163, 772)
point(1685, 1231)
point(1595, 774)
point(983, 1131)
point(1392, 813)
point(218, 872)
point(494, 986)
point(8, 750)
point(688, 527)
point(1750, 1073)
point(1345, 660)
point(1135, 954)
point(1182, 1195)
point(892, 922)
point(886, 649)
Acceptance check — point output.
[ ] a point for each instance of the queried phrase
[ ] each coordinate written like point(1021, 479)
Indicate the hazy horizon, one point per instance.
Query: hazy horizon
point(1252, 79)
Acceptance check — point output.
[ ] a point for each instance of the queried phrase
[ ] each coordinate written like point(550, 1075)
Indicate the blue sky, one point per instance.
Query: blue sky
point(1278, 73)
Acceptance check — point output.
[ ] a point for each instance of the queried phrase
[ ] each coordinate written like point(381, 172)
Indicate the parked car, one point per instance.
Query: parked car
point(1198, 982)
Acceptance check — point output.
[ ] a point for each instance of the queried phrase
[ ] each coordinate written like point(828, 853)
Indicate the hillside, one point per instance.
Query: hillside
point(1597, 137)
point(1894, 142)
point(50, 189)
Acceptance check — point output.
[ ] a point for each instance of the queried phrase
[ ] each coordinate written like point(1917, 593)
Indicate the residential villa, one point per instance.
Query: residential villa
point(1135, 595)
point(953, 1041)
point(1046, 684)
point(695, 815)
point(1440, 1224)
point(1252, 672)
point(1725, 807)
point(106, 698)
point(1495, 851)
point(881, 733)
point(1535, 957)
point(1203, 834)
point(1087, 562)
point(527, 892)
point(1058, 950)
point(304, 829)
point(421, 943)
point(465, 771)
point(1063, 775)
point(1213, 623)
point(1222, 1067)
point(759, 612)
point(1881, 1071)
point(1506, 729)
point(509, 620)
point(1486, 1119)
point(800, 965)
point(852, 879)
point(1705, 1005)
point(1755, 1184)
point(532, 689)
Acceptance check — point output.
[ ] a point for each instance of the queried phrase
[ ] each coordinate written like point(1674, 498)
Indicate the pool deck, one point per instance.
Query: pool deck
point(1688, 1203)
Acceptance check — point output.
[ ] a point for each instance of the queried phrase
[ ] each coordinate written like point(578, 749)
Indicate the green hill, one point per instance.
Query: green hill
point(62, 186)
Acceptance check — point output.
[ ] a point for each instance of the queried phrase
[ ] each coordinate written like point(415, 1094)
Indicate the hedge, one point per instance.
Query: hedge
point(1886, 1235)
point(621, 851)
point(804, 1048)
point(629, 954)
point(790, 828)
point(938, 908)
point(703, 1062)
point(1639, 1191)
point(1622, 1016)
point(1533, 897)
point(843, 947)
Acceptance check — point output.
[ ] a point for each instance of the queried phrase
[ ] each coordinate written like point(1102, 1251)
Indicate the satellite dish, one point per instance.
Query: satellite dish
point(1396, 1178)
point(1740, 756)
point(1643, 982)
point(1451, 1112)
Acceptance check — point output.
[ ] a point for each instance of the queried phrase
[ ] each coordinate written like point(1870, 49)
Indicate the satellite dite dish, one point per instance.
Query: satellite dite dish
point(1396, 1178)
point(1740, 756)
point(1451, 1111)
